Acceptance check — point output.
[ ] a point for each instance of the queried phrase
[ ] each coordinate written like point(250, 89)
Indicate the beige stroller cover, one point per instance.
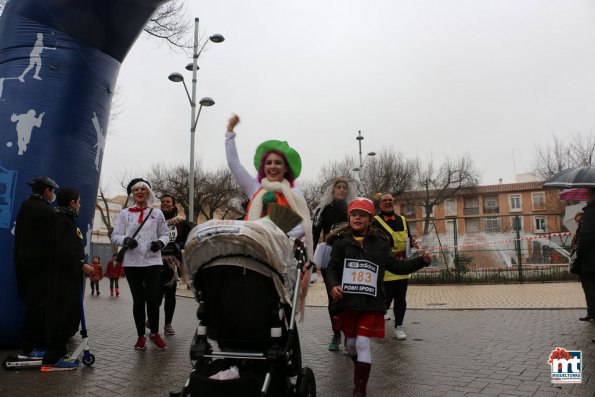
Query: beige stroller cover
point(231, 242)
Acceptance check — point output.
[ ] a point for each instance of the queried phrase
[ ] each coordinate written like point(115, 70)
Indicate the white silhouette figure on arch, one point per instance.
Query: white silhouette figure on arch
point(25, 123)
point(35, 58)
point(100, 140)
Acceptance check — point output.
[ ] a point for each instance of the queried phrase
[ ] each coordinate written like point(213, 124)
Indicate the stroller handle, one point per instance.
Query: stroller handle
point(300, 254)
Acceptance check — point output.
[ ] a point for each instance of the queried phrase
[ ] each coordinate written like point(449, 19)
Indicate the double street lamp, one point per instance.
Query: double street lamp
point(359, 169)
point(206, 101)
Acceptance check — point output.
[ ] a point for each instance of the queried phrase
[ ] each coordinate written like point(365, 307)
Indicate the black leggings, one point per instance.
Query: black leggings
point(144, 287)
point(588, 284)
point(169, 293)
point(397, 290)
point(113, 281)
point(94, 286)
point(34, 323)
point(331, 312)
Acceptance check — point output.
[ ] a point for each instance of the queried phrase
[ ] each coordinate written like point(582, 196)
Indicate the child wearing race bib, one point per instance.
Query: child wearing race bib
point(359, 258)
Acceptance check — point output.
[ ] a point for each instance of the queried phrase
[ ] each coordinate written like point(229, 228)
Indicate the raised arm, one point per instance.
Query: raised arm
point(247, 183)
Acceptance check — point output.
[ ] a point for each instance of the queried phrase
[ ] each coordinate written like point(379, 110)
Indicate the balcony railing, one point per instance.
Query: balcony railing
point(491, 210)
point(471, 211)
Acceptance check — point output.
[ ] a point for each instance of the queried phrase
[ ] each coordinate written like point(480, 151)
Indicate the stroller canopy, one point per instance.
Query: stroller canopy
point(229, 242)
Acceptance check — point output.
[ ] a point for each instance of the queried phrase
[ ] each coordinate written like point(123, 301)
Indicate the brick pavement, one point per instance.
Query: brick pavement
point(447, 353)
point(498, 296)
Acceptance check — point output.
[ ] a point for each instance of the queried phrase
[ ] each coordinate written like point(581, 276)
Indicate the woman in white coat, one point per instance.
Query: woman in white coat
point(142, 260)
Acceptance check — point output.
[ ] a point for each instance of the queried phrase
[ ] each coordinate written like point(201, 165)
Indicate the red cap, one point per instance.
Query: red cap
point(361, 203)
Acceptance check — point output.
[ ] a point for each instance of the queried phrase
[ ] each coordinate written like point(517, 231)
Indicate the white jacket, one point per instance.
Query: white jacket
point(155, 228)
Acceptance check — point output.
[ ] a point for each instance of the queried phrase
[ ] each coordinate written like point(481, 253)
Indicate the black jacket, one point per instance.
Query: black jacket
point(586, 247)
point(31, 238)
point(333, 214)
point(65, 277)
point(375, 249)
point(179, 229)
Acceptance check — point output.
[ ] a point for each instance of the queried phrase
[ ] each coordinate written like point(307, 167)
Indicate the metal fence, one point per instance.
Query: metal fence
point(495, 249)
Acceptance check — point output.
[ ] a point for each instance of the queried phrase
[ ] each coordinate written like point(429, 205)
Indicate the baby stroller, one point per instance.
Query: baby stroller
point(246, 279)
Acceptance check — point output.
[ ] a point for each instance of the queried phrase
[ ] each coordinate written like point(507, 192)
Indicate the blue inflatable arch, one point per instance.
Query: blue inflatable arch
point(59, 60)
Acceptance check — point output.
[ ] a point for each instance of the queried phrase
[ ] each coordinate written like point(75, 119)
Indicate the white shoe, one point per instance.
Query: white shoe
point(399, 333)
point(387, 316)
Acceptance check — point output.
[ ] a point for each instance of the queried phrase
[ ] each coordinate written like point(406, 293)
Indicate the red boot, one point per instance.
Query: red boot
point(111, 292)
point(360, 378)
point(117, 291)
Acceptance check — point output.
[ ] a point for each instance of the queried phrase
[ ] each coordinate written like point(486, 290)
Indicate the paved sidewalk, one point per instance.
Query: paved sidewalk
point(448, 352)
point(568, 295)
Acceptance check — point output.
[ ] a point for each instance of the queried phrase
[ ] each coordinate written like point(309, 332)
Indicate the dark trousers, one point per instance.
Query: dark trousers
point(169, 294)
point(94, 286)
point(588, 283)
point(33, 292)
point(63, 315)
point(144, 287)
point(397, 290)
point(112, 282)
point(56, 347)
point(331, 312)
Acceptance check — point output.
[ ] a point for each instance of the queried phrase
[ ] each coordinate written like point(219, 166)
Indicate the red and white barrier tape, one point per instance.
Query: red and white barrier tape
point(501, 241)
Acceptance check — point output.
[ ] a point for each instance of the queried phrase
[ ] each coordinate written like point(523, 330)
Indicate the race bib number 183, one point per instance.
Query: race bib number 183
point(359, 277)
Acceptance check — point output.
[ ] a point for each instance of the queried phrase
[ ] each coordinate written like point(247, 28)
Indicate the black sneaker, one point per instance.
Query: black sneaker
point(333, 346)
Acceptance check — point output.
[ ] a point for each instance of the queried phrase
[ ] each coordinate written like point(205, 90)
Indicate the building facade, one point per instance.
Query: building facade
point(494, 223)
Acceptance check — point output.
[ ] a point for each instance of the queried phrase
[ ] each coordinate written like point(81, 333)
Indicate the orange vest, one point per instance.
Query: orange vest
point(281, 200)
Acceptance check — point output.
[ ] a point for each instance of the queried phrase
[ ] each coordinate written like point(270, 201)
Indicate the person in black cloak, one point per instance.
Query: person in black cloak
point(67, 264)
point(31, 259)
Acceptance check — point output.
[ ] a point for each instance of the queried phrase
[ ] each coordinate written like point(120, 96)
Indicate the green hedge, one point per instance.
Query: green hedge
point(494, 275)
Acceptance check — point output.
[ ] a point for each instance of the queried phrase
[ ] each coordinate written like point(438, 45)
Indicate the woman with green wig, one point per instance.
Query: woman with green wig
point(278, 166)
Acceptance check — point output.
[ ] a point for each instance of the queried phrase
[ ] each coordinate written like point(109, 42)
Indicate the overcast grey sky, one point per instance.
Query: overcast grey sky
point(431, 78)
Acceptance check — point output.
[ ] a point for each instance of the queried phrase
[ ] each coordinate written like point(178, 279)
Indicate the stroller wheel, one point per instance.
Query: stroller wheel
point(88, 359)
point(305, 385)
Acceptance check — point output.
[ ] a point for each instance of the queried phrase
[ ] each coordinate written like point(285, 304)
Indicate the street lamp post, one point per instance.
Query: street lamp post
point(206, 101)
point(359, 169)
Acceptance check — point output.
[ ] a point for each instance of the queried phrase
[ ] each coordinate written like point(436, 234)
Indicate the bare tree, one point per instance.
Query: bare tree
point(388, 172)
point(436, 184)
point(169, 23)
point(223, 195)
point(342, 167)
point(106, 217)
point(562, 153)
point(311, 192)
point(215, 192)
